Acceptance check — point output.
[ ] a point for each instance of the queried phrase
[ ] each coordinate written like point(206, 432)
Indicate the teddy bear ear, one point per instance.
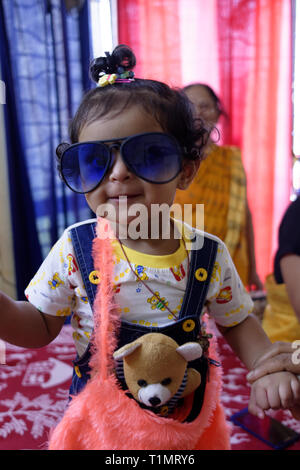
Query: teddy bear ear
point(190, 351)
point(125, 350)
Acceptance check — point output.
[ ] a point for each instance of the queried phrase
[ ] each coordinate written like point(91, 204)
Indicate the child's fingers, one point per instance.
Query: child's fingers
point(258, 402)
point(286, 395)
point(295, 385)
point(255, 410)
point(261, 398)
point(273, 398)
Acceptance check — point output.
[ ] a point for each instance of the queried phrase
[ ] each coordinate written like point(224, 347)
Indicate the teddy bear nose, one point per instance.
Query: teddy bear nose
point(154, 401)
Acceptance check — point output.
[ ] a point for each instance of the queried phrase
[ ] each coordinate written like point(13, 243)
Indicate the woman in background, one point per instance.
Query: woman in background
point(282, 314)
point(220, 185)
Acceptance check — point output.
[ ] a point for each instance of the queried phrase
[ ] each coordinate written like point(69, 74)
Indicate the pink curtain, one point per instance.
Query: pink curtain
point(242, 48)
point(255, 85)
point(152, 29)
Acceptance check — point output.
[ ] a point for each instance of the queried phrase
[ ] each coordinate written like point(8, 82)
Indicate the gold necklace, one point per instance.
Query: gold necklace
point(144, 283)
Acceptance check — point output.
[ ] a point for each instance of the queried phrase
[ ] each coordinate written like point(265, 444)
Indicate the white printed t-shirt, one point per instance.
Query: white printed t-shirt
point(57, 288)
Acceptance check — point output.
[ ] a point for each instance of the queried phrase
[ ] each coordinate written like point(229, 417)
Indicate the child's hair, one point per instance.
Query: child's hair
point(217, 102)
point(170, 107)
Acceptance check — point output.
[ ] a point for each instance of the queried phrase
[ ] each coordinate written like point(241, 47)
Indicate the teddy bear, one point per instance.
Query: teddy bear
point(156, 370)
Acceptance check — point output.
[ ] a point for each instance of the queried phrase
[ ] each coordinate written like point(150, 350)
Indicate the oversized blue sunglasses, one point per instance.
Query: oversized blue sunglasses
point(154, 157)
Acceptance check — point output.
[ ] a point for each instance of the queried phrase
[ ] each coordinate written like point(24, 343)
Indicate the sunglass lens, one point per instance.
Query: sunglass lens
point(83, 166)
point(153, 157)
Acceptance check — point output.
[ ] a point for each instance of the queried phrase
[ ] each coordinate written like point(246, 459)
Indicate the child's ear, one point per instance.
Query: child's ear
point(188, 173)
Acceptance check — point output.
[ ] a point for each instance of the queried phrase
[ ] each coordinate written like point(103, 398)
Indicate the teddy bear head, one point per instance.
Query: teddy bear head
point(155, 367)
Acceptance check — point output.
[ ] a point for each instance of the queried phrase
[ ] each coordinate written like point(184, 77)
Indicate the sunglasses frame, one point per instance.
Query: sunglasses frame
point(116, 144)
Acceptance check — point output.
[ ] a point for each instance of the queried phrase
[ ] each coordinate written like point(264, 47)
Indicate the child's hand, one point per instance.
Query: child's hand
point(277, 390)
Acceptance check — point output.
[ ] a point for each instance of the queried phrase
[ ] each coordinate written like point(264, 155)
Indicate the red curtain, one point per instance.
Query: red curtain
point(152, 29)
point(242, 48)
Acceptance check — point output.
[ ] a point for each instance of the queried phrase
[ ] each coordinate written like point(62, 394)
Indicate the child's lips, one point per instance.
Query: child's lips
point(123, 197)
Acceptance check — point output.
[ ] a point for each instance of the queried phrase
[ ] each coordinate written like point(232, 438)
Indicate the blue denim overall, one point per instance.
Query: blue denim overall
point(188, 327)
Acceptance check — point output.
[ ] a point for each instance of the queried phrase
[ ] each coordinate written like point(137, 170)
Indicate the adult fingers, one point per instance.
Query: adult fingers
point(275, 364)
point(273, 398)
point(286, 395)
point(275, 349)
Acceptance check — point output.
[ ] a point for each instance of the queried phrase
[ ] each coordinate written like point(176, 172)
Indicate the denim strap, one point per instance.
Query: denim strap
point(82, 238)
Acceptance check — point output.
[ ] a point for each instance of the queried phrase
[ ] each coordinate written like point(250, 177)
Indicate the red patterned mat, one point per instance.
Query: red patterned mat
point(34, 389)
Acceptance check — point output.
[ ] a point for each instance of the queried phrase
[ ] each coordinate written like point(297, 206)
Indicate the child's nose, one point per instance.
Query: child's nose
point(119, 171)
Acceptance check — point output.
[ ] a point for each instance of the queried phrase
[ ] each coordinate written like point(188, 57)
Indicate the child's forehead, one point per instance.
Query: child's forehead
point(134, 120)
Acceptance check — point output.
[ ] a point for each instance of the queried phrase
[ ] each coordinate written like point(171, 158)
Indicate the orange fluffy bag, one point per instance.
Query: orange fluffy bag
point(103, 417)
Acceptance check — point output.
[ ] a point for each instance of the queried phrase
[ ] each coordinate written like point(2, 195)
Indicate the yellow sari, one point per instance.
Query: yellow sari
point(279, 321)
point(220, 185)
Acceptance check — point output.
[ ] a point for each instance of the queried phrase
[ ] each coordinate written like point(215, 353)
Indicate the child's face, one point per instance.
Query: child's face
point(120, 181)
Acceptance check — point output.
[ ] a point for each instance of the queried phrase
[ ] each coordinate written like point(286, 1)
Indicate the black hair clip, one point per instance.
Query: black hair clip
point(117, 65)
point(59, 152)
point(61, 148)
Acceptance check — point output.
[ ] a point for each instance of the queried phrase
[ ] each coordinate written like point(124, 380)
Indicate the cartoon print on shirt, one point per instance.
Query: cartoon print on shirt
point(216, 274)
point(64, 312)
point(178, 272)
point(177, 310)
point(56, 281)
point(72, 264)
point(82, 295)
point(224, 296)
point(116, 288)
point(157, 302)
point(140, 271)
point(145, 323)
point(121, 275)
point(235, 311)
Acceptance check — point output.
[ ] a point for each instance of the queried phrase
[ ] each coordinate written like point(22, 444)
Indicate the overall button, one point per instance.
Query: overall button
point(188, 325)
point(77, 372)
point(201, 274)
point(94, 277)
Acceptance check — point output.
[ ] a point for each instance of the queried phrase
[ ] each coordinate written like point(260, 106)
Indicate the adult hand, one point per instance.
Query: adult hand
point(281, 356)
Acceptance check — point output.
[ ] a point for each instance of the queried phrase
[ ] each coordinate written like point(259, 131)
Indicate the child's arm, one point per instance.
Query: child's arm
point(248, 340)
point(23, 325)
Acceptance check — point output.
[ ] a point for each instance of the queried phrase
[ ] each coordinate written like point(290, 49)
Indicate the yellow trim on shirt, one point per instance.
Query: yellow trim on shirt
point(151, 261)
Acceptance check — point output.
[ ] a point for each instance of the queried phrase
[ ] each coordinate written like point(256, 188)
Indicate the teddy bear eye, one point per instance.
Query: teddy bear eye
point(166, 381)
point(142, 383)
